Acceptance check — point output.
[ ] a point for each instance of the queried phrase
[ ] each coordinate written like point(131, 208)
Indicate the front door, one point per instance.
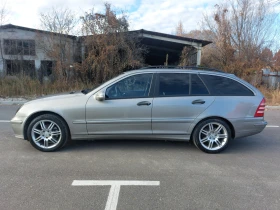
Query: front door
point(126, 109)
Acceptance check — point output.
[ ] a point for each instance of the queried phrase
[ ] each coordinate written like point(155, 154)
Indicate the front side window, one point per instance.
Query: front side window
point(136, 86)
point(222, 86)
point(173, 84)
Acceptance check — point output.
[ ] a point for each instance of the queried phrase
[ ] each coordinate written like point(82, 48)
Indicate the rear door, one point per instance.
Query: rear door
point(179, 99)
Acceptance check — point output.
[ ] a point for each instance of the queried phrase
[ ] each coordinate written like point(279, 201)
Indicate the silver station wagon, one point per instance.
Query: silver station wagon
point(206, 106)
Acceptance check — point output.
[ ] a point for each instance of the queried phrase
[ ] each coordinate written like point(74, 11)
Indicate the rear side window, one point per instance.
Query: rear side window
point(198, 88)
point(222, 86)
point(173, 84)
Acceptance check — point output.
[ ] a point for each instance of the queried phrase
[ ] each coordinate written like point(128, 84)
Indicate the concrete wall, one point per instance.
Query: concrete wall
point(43, 42)
point(271, 79)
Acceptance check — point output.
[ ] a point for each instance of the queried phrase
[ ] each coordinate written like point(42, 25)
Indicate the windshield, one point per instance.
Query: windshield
point(86, 91)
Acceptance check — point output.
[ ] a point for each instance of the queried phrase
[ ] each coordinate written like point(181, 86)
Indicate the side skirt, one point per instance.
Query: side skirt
point(132, 137)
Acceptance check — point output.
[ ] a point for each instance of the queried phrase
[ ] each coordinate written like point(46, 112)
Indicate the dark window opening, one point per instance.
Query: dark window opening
point(173, 84)
point(25, 67)
point(19, 47)
point(47, 67)
point(222, 86)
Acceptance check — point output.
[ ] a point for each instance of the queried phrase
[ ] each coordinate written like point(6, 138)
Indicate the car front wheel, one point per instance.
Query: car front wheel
point(212, 136)
point(48, 133)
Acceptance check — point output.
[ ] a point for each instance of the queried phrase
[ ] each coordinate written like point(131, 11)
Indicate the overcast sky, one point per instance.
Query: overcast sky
point(155, 15)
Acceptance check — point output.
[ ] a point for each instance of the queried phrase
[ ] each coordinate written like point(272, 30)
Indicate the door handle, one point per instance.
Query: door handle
point(198, 101)
point(144, 103)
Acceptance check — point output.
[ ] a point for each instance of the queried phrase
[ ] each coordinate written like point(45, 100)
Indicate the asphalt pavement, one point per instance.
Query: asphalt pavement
point(245, 176)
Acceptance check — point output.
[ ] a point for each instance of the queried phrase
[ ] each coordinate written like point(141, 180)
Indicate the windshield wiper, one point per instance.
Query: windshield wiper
point(85, 91)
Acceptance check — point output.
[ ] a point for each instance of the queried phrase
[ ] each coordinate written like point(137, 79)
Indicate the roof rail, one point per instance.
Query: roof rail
point(182, 67)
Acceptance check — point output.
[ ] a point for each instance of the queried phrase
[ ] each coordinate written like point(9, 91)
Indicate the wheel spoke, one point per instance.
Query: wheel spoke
point(46, 143)
point(211, 128)
point(38, 139)
point(204, 132)
point(221, 136)
point(53, 140)
point(51, 126)
point(204, 140)
point(37, 131)
point(210, 145)
point(42, 124)
point(219, 129)
point(218, 143)
point(55, 133)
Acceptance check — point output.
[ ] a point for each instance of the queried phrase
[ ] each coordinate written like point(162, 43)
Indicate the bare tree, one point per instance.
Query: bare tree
point(276, 60)
point(240, 30)
point(59, 46)
point(4, 14)
point(180, 29)
point(109, 47)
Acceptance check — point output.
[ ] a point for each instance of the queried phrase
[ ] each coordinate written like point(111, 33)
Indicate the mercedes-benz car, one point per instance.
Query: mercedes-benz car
point(206, 106)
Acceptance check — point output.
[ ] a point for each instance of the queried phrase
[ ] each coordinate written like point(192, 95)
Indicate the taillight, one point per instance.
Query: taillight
point(260, 109)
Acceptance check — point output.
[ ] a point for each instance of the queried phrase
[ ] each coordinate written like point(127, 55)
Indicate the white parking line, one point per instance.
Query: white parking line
point(272, 126)
point(113, 196)
point(4, 121)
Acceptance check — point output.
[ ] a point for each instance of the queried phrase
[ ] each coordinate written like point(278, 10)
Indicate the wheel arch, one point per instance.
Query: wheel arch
point(36, 114)
point(216, 117)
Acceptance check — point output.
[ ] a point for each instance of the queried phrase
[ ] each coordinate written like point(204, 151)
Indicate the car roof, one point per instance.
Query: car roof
point(168, 69)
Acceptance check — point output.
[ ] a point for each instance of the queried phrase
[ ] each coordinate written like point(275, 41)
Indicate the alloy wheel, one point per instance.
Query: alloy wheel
point(213, 136)
point(46, 134)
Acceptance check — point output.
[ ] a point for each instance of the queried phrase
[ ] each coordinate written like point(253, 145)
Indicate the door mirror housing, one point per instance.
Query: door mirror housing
point(100, 96)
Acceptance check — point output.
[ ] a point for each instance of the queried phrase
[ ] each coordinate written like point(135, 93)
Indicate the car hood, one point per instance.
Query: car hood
point(60, 96)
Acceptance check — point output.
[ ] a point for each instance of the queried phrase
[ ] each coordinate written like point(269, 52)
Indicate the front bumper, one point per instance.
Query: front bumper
point(17, 126)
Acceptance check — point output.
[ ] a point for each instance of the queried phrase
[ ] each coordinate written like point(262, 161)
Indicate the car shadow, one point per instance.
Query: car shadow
point(251, 144)
point(127, 145)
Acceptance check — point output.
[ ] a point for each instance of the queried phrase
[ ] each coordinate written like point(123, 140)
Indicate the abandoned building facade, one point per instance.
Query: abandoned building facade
point(28, 50)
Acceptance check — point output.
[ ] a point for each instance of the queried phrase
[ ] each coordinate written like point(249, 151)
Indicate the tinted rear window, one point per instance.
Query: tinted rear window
point(222, 86)
point(173, 84)
point(198, 88)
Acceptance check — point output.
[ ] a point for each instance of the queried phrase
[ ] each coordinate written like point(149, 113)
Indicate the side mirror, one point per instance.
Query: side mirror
point(100, 96)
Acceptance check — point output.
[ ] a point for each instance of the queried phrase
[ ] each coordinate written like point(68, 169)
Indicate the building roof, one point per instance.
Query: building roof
point(142, 32)
point(11, 26)
point(146, 33)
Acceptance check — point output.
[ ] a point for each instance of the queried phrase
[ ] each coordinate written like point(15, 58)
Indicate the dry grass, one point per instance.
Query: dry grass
point(28, 87)
point(272, 96)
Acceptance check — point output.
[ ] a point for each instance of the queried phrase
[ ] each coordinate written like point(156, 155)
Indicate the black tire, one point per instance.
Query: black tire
point(50, 130)
point(210, 140)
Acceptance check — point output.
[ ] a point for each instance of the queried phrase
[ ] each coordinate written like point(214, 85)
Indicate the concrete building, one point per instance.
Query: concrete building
point(29, 51)
point(26, 50)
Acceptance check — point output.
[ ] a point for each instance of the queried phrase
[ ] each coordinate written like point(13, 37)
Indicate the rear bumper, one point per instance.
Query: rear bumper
point(248, 127)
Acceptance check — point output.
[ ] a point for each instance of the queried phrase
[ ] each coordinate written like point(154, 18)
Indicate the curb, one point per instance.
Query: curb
point(272, 107)
point(12, 102)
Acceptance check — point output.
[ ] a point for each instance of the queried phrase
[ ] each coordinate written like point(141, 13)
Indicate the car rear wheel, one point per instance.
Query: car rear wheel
point(212, 136)
point(48, 133)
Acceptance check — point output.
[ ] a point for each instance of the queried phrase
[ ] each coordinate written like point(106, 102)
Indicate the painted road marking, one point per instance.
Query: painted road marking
point(5, 121)
point(272, 126)
point(113, 196)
